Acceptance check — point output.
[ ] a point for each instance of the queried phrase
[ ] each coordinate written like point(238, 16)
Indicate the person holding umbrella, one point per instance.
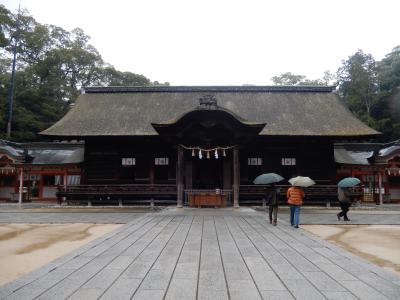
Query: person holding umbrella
point(295, 196)
point(344, 196)
point(272, 193)
point(344, 202)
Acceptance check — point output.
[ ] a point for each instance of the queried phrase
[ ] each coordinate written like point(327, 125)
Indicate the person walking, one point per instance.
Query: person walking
point(295, 197)
point(344, 202)
point(273, 195)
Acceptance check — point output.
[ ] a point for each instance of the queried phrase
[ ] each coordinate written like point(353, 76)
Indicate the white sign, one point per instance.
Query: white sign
point(128, 161)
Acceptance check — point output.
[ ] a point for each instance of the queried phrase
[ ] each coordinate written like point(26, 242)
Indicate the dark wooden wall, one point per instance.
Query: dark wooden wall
point(314, 158)
point(103, 161)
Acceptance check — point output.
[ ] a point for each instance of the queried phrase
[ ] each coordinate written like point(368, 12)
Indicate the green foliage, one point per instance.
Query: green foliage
point(389, 71)
point(290, 79)
point(287, 79)
point(371, 90)
point(358, 83)
point(52, 65)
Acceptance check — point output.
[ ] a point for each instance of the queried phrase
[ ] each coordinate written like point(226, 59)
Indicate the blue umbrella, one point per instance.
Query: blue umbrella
point(348, 182)
point(268, 178)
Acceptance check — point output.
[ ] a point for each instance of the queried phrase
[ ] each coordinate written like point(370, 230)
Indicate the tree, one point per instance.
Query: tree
point(358, 84)
point(111, 77)
point(389, 71)
point(53, 64)
point(290, 79)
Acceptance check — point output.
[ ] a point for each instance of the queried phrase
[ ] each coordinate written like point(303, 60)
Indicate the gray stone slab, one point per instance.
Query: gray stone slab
point(102, 279)
point(156, 280)
point(121, 262)
point(212, 282)
point(183, 284)
point(50, 279)
point(121, 289)
point(243, 289)
point(212, 294)
point(323, 282)
point(149, 294)
point(378, 282)
point(86, 293)
point(25, 294)
point(337, 272)
point(186, 271)
point(286, 271)
point(302, 289)
point(276, 295)
point(76, 263)
point(339, 295)
point(362, 290)
point(263, 275)
point(182, 289)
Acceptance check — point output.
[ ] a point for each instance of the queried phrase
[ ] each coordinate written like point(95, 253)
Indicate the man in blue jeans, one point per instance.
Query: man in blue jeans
point(295, 197)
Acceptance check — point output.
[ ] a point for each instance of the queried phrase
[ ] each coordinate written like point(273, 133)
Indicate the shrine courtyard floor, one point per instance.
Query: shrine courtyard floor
point(205, 254)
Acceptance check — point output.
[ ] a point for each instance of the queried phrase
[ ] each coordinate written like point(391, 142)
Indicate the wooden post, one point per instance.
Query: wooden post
point(380, 187)
point(152, 173)
point(21, 186)
point(41, 186)
point(236, 177)
point(65, 181)
point(179, 177)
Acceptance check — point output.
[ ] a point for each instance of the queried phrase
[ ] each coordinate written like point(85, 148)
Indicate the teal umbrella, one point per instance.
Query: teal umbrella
point(268, 178)
point(348, 182)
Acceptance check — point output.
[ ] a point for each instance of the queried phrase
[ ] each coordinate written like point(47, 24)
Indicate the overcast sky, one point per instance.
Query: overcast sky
point(226, 42)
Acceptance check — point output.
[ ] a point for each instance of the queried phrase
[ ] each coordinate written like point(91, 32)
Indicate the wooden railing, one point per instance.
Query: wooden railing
point(116, 192)
point(314, 194)
point(148, 193)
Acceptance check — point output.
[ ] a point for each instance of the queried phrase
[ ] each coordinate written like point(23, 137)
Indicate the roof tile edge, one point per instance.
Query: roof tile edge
point(215, 89)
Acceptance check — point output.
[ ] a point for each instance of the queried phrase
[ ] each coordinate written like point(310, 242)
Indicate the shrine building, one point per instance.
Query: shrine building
point(176, 142)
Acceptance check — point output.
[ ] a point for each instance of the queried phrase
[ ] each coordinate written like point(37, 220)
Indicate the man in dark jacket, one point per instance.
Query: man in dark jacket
point(273, 194)
point(344, 202)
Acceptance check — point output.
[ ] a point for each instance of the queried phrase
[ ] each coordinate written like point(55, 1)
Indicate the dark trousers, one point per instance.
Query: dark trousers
point(273, 213)
point(344, 206)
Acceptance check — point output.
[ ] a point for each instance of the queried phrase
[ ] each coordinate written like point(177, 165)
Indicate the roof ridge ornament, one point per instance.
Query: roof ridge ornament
point(208, 102)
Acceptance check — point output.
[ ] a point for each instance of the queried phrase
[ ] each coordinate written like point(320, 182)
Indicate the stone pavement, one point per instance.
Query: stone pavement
point(67, 217)
point(206, 254)
point(357, 217)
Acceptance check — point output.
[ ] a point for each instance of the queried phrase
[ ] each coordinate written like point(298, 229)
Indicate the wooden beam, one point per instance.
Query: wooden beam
point(236, 177)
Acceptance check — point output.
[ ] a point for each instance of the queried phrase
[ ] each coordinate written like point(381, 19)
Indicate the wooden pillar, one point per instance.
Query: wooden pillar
point(65, 179)
point(41, 187)
point(179, 177)
point(21, 186)
point(65, 182)
point(236, 177)
point(380, 187)
point(152, 173)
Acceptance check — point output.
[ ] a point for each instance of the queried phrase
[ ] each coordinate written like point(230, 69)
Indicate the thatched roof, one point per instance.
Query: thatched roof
point(287, 111)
